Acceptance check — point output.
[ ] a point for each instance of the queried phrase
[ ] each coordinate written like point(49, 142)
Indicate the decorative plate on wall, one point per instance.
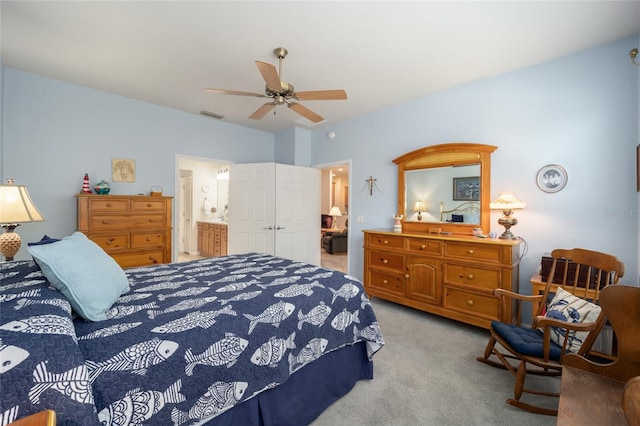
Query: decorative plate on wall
point(551, 178)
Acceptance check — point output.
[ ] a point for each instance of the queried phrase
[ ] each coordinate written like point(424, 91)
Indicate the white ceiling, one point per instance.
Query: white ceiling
point(381, 53)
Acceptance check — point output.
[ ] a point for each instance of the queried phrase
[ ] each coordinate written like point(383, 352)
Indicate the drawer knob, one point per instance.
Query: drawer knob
point(385, 282)
point(151, 220)
point(108, 204)
point(109, 241)
point(153, 259)
point(385, 261)
point(148, 239)
point(104, 222)
point(470, 251)
point(422, 247)
point(148, 204)
point(470, 302)
point(470, 276)
point(385, 242)
point(406, 276)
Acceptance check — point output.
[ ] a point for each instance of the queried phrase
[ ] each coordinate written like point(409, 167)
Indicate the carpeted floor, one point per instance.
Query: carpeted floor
point(337, 261)
point(427, 374)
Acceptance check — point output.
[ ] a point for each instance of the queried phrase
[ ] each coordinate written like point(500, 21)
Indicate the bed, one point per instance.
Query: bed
point(247, 339)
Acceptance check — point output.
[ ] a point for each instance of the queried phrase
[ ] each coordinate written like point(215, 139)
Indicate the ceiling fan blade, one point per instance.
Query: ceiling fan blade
point(270, 75)
point(262, 111)
point(321, 95)
point(305, 112)
point(235, 92)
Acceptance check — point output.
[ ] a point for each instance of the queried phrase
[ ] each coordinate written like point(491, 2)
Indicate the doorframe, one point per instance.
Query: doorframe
point(175, 237)
point(323, 166)
point(184, 199)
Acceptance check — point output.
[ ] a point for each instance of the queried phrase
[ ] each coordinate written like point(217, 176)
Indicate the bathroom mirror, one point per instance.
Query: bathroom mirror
point(445, 188)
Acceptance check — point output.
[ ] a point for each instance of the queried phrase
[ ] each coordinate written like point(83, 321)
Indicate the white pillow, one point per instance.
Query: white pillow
point(88, 277)
point(567, 307)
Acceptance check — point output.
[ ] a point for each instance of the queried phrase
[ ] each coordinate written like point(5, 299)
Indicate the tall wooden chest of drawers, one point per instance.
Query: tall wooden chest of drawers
point(133, 229)
point(449, 275)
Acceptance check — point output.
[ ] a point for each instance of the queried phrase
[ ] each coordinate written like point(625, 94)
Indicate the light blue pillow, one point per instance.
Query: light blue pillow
point(88, 277)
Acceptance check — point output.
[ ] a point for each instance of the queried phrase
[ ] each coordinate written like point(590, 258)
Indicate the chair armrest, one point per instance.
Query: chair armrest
point(547, 323)
point(506, 295)
point(500, 292)
point(582, 363)
point(542, 321)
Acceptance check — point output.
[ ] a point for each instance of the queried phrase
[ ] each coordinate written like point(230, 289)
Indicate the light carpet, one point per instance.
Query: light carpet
point(427, 374)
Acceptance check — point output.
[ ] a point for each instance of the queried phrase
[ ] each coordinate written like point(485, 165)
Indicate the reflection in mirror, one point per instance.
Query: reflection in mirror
point(446, 194)
point(452, 182)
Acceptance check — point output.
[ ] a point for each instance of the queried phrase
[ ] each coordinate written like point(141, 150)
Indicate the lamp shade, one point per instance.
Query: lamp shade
point(335, 211)
point(419, 207)
point(16, 205)
point(507, 201)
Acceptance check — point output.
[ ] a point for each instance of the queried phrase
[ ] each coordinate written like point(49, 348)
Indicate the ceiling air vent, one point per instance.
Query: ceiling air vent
point(212, 114)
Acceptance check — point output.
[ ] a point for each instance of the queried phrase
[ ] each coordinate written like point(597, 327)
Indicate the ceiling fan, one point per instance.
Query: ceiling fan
point(282, 92)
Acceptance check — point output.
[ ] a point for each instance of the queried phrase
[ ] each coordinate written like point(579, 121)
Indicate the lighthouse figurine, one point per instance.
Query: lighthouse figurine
point(86, 188)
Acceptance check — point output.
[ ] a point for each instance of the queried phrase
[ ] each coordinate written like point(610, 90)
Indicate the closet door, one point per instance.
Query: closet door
point(273, 209)
point(297, 213)
point(252, 208)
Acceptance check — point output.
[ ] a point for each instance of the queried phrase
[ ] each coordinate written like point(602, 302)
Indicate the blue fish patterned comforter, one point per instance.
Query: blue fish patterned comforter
point(191, 340)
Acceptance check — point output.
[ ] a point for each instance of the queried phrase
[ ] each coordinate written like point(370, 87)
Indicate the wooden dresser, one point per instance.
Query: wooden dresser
point(212, 239)
point(448, 275)
point(133, 229)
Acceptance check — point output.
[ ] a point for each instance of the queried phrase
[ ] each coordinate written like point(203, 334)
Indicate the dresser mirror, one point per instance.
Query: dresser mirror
point(445, 188)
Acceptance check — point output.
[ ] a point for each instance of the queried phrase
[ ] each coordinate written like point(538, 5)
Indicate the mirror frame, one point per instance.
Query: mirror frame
point(448, 154)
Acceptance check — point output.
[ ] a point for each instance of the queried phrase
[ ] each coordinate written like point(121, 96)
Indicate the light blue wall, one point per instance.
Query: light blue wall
point(293, 147)
point(56, 132)
point(579, 111)
point(285, 147)
point(1, 117)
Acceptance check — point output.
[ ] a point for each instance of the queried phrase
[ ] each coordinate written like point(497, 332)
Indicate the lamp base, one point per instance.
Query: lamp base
point(507, 235)
point(9, 241)
point(508, 221)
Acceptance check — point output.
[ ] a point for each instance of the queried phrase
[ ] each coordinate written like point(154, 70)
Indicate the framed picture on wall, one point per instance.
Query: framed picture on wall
point(551, 178)
point(466, 188)
point(123, 170)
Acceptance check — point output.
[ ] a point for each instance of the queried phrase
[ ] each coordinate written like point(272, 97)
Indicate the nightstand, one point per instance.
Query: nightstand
point(43, 418)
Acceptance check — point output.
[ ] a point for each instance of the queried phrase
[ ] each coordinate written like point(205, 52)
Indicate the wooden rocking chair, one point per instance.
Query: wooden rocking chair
point(540, 349)
point(621, 306)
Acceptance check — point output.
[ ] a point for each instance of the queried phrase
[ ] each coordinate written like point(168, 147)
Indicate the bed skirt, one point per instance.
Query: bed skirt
point(306, 394)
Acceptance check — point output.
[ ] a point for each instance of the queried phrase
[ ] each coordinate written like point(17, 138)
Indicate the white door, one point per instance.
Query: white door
point(273, 208)
point(184, 215)
point(251, 208)
point(297, 219)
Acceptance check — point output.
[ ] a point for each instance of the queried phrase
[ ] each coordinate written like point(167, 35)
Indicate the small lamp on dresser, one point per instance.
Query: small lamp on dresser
point(507, 203)
point(16, 207)
point(419, 207)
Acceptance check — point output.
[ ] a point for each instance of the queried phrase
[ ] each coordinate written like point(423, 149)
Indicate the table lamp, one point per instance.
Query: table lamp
point(335, 212)
point(15, 207)
point(507, 202)
point(419, 207)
